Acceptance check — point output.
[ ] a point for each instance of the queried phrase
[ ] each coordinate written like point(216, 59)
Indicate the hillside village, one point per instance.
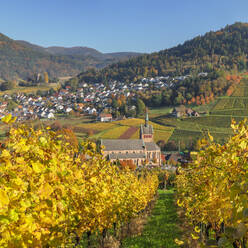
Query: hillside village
point(91, 98)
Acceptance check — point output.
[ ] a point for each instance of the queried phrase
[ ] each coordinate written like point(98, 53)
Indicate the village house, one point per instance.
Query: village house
point(105, 117)
point(143, 151)
point(182, 111)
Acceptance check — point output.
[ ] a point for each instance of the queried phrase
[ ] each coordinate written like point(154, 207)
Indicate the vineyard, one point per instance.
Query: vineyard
point(124, 129)
point(189, 130)
point(236, 104)
point(54, 193)
point(52, 196)
point(129, 133)
point(216, 120)
point(213, 191)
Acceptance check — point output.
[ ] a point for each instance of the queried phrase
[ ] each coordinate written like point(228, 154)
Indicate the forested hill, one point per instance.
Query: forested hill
point(80, 51)
point(225, 49)
point(21, 59)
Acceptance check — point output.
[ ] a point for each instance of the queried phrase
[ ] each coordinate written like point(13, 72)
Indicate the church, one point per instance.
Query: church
point(142, 151)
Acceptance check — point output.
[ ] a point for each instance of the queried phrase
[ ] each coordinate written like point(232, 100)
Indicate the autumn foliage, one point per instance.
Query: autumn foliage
point(50, 196)
point(128, 164)
point(213, 190)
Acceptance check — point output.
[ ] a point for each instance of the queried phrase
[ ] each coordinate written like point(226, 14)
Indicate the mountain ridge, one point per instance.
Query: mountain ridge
point(224, 49)
point(75, 50)
point(21, 59)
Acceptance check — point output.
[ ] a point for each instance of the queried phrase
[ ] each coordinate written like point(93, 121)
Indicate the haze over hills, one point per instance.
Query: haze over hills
point(78, 51)
point(21, 59)
point(225, 49)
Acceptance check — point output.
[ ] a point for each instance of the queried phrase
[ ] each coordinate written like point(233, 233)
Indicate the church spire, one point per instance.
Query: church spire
point(147, 118)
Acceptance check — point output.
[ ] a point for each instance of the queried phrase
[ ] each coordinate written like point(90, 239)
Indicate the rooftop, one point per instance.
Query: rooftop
point(151, 146)
point(122, 144)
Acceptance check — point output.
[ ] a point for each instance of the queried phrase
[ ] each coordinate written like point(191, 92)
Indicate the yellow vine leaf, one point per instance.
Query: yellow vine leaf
point(45, 190)
point(4, 199)
point(37, 167)
point(194, 236)
point(178, 242)
point(179, 203)
point(6, 119)
point(93, 180)
point(5, 154)
point(210, 137)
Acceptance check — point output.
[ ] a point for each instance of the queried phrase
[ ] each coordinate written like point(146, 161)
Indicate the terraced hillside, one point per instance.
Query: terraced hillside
point(236, 105)
point(217, 122)
point(189, 130)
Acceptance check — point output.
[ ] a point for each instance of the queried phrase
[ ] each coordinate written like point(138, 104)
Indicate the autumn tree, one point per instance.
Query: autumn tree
point(46, 78)
point(140, 107)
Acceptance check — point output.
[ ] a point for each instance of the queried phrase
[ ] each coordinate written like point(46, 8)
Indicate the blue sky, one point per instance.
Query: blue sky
point(117, 25)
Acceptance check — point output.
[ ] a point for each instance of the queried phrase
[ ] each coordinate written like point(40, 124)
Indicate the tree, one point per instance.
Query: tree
point(114, 104)
point(156, 100)
point(166, 97)
point(188, 96)
point(8, 85)
point(11, 105)
point(171, 146)
point(179, 99)
point(46, 78)
point(140, 107)
point(128, 164)
point(73, 83)
point(161, 144)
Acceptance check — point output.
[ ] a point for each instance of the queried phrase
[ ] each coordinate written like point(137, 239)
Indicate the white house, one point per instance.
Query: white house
point(50, 116)
point(105, 117)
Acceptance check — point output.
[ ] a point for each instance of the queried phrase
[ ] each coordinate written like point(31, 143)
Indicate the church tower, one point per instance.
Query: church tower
point(146, 131)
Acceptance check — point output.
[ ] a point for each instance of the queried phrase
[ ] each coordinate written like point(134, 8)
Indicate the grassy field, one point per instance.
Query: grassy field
point(162, 226)
point(29, 90)
point(154, 112)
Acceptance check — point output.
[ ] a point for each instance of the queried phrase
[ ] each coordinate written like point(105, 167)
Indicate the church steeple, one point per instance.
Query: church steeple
point(146, 131)
point(147, 118)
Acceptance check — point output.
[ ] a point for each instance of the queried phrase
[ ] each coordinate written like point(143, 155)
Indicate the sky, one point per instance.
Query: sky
point(117, 25)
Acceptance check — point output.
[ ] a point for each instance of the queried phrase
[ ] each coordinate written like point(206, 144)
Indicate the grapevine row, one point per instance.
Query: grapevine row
point(51, 193)
point(213, 190)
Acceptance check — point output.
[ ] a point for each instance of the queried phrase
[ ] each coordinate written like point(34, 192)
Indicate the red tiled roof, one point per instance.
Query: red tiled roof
point(106, 115)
